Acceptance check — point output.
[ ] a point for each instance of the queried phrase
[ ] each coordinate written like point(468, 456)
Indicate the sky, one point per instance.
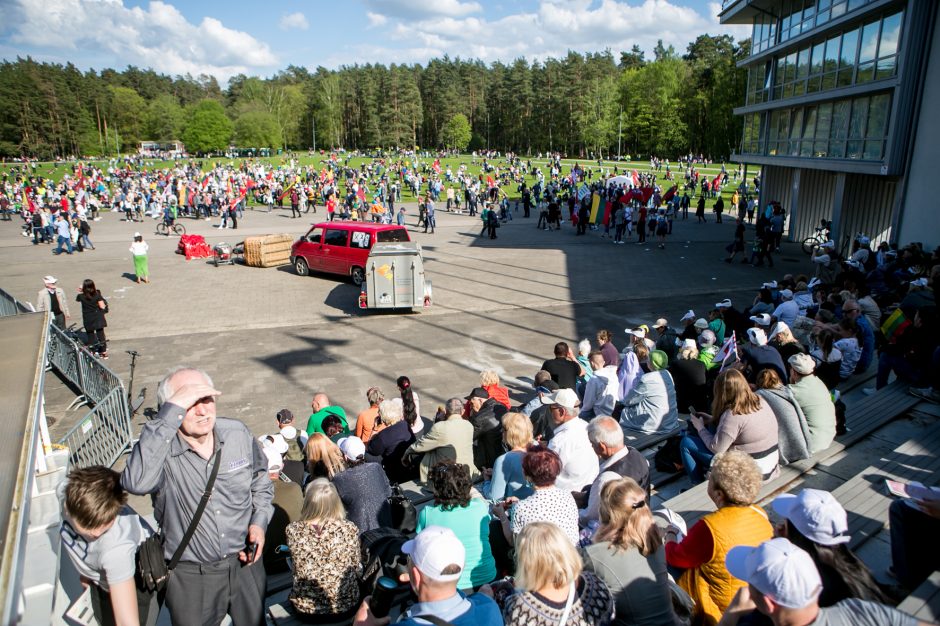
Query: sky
point(222, 38)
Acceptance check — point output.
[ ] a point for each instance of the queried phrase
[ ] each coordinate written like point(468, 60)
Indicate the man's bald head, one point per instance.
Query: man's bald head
point(320, 400)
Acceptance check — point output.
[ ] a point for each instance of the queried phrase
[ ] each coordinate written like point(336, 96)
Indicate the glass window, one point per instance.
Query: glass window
point(878, 116)
point(315, 235)
point(818, 58)
point(360, 239)
point(796, 126)
point(869, 48)
point(859, 118)
point(890, 35)
point(849, 45)
point(838, 8)
point(839, 129)
point(336, 237)
point(866, 72)
point(802, 63)
point(809, 131)
point(823, 121)
point(886, 68)
point(395, 235)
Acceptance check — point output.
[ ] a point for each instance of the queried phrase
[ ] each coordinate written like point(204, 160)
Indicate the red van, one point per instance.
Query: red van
point(341, 247)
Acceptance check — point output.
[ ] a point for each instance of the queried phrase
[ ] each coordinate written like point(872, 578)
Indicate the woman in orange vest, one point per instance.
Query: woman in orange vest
point(733, 485)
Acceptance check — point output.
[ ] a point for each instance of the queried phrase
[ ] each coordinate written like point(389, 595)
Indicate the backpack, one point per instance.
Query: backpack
point(381, 555)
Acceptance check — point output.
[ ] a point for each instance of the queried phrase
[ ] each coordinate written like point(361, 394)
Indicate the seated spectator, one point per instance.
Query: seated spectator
point(742, 421)
point(363, 487)
point(325, 550)
point(814, 400)
point(367, 422)
point(485, 414)
point(815, 522)
point(734, 483)
point(650, 407)
point(914, 523)
point(468, 517)
point(689, 377)
point(535, 401)
point(910, 355)
point(435, 564)
point(759, 355)
point(548, 503)
point(508, 479)
point(716, 323)
point(627, 555)
point(667, 339)
point(489, 380)
point(450, 438)
point(294, 457)
point(785, 343)
point(629, 372)
point(551, 586)
point(607, 348)
point(324, 458)
point(763, 303)
point(828, 359)
point(787, 310)
point(570, 441)
point(781, 582)
point(602, 390)
point(321, 409)
point(707, 349)
point(616, 461)
point(543, 426)
point(563, 367)
point(689, 331)
point(101, 535)
point(584, 349)
point(287, 502)
point(389, 444)
point(793, 432)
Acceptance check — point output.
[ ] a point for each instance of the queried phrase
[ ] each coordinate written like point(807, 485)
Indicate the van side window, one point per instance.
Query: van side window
point(335, 237)
point(359, 240)
point(393, 235)
point(315, 236)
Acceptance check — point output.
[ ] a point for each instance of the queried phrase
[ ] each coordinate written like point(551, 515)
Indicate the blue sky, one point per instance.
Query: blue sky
point(227, 37)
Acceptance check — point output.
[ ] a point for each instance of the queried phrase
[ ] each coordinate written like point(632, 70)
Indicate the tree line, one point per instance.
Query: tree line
point(581, 104)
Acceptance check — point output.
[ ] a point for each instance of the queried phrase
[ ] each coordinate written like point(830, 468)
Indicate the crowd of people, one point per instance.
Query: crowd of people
point(540, 509)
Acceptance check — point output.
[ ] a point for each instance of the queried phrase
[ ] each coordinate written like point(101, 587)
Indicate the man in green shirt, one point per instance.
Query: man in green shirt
point(321, 410)
point(815, 401)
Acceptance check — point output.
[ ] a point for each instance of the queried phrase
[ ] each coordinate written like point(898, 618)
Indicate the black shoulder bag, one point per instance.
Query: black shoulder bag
point(151, 566)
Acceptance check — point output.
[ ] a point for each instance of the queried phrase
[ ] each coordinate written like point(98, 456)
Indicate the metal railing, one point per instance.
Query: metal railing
point(11, 306)
point(103, 435)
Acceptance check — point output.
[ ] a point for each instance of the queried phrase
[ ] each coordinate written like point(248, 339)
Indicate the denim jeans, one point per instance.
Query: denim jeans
point(900, 366)
point(64, 240)
point(696, 458)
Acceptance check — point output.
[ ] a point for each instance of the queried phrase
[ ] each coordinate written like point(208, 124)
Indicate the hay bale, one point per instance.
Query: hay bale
point(268, 250)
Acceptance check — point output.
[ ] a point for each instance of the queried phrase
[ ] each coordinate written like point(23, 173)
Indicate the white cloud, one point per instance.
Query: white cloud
point(157, 37)
point(421, 8)
point(375, 19)
point(294, 21)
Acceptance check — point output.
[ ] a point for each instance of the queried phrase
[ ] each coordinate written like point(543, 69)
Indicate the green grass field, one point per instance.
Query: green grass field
point(55, 171)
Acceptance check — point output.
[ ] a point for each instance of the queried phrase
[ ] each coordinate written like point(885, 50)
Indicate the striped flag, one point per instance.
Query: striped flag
point(728, 349)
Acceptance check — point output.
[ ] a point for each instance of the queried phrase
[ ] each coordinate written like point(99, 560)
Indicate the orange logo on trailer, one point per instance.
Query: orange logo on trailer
point(385, 271)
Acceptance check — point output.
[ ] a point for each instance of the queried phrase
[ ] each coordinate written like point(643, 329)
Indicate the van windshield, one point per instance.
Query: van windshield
point(394, 235)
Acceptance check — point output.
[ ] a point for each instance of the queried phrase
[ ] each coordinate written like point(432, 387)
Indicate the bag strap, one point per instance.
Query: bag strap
point(434, 619)
point(567, 611)
point(177, 555)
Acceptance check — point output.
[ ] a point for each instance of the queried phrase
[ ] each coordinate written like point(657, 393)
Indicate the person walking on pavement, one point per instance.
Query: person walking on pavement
point(139, 250)
point(52, 298)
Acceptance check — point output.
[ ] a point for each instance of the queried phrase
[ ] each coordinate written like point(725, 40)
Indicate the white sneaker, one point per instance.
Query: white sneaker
point(869, 391)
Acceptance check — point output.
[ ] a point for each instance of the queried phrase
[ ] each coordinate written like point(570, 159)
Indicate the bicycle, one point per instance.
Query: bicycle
point(164, 229)
point(820, 236)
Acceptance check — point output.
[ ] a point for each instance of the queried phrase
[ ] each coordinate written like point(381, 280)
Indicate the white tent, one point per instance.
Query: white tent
point(619, 181)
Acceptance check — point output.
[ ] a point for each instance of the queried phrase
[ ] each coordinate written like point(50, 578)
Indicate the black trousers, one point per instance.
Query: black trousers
point(96, 340)
point(201, 594)
point(147, 607)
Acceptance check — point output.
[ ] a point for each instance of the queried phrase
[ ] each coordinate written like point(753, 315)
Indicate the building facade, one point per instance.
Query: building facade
point(842, 113)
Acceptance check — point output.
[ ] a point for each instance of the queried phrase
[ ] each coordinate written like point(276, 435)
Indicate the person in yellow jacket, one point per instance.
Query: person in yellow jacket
point(733, 485)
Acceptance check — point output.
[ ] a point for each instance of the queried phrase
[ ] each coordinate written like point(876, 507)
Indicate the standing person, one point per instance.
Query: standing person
point(139, 249)
point(94, 308)
point(64, 234)
point(218, 573)
point(52, 299)
point(101, 534)
point(719, 208)
point(662, 228)
point(492, 221)
point(429, 220)
point(737, 245)
point(641, 225)
point(700, 210)
point(295, 204)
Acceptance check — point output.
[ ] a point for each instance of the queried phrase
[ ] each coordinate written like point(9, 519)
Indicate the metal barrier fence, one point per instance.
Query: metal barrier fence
point(103, 435)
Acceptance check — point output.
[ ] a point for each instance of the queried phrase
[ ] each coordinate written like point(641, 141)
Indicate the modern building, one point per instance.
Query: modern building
point(842, 113)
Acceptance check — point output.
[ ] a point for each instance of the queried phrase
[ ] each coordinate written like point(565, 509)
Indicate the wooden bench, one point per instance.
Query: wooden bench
point(862, 419)
point(924, 602)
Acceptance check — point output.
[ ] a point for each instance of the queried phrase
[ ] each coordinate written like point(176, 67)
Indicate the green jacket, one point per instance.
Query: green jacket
point(315, 423)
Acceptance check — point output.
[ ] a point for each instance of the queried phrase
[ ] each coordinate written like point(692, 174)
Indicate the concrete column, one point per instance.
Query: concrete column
point(838, 198)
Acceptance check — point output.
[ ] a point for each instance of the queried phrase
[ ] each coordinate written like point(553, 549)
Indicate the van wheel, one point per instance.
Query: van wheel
point(301, 267)
point(358, 276)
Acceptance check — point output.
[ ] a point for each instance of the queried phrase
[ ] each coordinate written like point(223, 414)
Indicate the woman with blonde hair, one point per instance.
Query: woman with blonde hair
point(734, 484)
point(740, 420)
point(324, 546)
point(627, 555)
point(551, 586)
point(324, 459)
point(489, 380)
point(508, 479)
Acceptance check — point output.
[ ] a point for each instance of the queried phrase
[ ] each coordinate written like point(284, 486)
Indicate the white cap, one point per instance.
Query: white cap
point(689, 315)
point(786, 294)
point(661, 323)
point(779, 327)
point(701, 323)
point(771, 285)
point(724, 304)
point(636, 332)
point(433, 550)
point(779, 570)
point(50, 280)
point(275, 461)
point(757, 336)
point(273, 442)
point(352, 448)
point(763, 319)
point(688, 343)
point(288, 432)
point(812, 283)
point(563, 397)
point(707, 338)
point(816, 514)
point(136, 235)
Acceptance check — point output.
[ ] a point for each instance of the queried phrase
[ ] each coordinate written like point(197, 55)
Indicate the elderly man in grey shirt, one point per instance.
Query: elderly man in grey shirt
point(218, 573)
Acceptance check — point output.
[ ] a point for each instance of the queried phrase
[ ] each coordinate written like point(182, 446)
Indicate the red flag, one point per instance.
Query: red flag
point(669, 194)
point(636, 178)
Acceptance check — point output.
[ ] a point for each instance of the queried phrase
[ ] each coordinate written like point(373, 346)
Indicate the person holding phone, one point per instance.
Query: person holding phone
point(914, 523)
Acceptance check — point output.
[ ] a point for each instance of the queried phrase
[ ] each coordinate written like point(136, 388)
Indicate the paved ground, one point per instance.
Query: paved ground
point(271, 338)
